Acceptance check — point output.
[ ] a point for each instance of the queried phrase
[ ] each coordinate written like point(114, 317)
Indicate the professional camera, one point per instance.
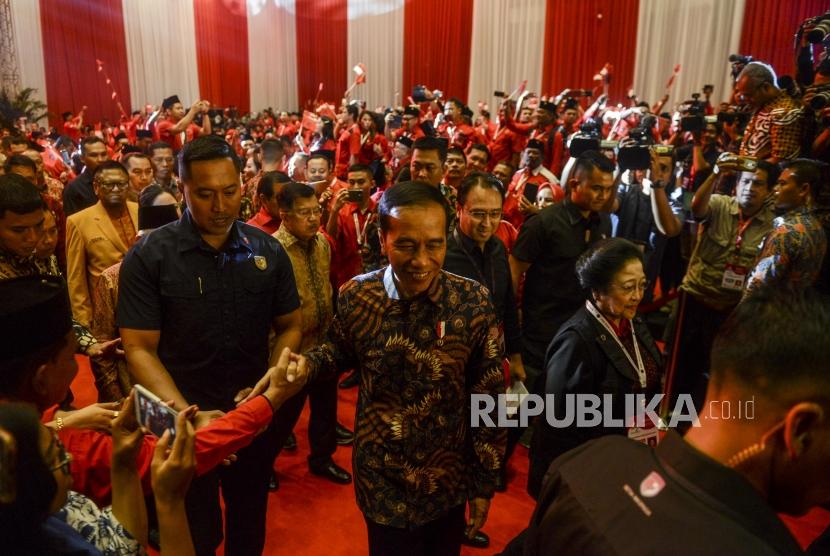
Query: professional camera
point(820, 97)
point(635, 154)
point(694, 112)
point(738, 62)
point(586, 139)
point(820, 28)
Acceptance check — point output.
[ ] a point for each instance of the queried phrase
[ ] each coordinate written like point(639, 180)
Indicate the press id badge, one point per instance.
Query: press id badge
point(734, 277)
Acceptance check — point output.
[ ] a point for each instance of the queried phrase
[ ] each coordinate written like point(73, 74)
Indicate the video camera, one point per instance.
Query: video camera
point(694, 114)
point(738, 62)
point(636, 153)
point(820, 27)
point(586, 139)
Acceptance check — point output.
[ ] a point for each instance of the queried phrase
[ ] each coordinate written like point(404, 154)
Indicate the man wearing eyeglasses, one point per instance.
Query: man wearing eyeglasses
point(99, 236)
point(310, 254)
point(474, 251)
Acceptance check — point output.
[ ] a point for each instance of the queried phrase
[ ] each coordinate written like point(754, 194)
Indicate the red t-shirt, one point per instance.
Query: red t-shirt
point(175, 140)
point(363, 147)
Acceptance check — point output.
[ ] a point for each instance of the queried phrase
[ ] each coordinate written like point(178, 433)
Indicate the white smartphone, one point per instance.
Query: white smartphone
point(153, 414)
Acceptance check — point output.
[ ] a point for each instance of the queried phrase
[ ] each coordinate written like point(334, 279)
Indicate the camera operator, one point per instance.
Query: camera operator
point(817, 112)
point(775, 131)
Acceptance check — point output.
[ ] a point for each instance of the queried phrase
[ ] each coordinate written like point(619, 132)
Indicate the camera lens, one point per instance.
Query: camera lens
point(817, 33)
point(820, 100)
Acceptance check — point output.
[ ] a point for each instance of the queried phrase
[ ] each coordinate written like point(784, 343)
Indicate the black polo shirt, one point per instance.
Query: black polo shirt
point(214, 308)
point(491, 269)
point(551, 242)
point(79, 194)
point(617, 496)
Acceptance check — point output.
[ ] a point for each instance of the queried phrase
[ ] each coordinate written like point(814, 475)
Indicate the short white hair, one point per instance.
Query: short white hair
point(759, 73)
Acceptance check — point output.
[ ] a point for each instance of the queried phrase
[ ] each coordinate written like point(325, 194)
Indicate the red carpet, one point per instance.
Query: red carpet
point(312, 516)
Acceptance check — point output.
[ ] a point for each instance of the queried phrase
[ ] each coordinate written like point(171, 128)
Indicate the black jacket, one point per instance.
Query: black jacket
point(584, 359)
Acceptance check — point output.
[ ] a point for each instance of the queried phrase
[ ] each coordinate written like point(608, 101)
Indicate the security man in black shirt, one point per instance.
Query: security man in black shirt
point(761, 448)
point(546, 252)
point(197, 300)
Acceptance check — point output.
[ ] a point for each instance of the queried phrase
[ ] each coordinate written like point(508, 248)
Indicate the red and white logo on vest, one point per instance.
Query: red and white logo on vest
point(652, 485)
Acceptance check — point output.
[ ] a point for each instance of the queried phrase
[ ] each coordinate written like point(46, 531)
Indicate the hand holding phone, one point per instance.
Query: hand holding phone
point(153, 414)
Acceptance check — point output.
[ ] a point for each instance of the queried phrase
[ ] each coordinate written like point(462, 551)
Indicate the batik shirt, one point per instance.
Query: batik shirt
point(792, 253)
point(98, 527)
point(12, 266)
point(774, 130)
point(415, 454)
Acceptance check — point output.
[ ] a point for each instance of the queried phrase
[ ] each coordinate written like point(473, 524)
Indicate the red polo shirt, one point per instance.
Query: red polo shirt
point(175, 140)
point(265, 222)
point(346, 262)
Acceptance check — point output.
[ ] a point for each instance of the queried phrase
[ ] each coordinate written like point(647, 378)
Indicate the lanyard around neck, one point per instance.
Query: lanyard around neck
point(638, 366)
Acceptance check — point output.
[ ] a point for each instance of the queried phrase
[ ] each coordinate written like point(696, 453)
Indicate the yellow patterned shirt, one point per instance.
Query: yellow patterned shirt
point(415, 454)
point(311, 263)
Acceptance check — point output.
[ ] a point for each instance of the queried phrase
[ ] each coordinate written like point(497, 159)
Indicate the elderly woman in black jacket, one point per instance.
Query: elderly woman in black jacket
point(603, 349)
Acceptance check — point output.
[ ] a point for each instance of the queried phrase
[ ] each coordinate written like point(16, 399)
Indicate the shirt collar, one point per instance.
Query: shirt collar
point(434, 293)
point(287, 239)
point(573, 211)
point(766, 214)
point(190, 238)
point(469, 243)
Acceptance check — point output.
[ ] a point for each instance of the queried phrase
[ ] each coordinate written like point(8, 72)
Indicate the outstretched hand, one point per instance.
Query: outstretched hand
point(281, 381)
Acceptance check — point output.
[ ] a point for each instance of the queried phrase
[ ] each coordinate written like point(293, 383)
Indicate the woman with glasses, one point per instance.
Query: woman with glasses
point(41, 514)
point(603, 349)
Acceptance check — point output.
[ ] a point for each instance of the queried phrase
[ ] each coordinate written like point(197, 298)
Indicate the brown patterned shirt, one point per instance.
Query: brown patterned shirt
point(775, 130)
point(415, 454)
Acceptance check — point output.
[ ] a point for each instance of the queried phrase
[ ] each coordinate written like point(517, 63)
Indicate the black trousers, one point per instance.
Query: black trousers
point(695, 327)
point(440, 537)
point(244, 486)
point(322, 423)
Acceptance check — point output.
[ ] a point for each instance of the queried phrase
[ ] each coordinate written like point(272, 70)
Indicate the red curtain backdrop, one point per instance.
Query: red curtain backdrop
point(580, 37)
point(769, 27)
point(75, 33)
point(222, 52)
point(436, 48)
point(322, 43)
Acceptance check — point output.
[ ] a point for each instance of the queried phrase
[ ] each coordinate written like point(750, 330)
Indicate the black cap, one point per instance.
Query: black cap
point(169, 102)
point(144, 134)
point(571, 103)
point(405, 141)
point(547, 106)
point(535, 144)
point(152, 217)
point(34, 314)
point(412, 110)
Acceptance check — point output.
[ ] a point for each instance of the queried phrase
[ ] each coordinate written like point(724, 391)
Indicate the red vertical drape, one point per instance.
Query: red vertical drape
point(769, 27)
point(322, 46)
point(75, 33)
point(436, 45)
point(222, 52)
point(580, 37)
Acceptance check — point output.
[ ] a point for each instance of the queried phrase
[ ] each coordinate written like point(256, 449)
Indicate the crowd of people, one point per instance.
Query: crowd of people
point(236, 265)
